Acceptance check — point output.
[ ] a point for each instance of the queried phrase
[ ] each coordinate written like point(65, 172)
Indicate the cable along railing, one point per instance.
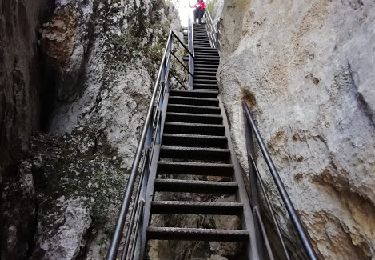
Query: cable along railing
point(267, 191)
point(129, 233)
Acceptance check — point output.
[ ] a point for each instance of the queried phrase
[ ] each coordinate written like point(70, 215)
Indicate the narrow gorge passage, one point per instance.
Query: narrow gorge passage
point(196, 143)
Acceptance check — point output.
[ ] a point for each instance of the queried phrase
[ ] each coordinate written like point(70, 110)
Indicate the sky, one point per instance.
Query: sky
point(184, 10)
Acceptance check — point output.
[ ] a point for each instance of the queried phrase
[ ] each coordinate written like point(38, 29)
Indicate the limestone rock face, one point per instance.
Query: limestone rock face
point(101, 59)
point(105, 57)
point(306, 68)
point(65, 242)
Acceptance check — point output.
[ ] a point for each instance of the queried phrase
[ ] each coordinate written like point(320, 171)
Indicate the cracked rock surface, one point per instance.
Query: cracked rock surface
point(102, 58)
point(306, 70)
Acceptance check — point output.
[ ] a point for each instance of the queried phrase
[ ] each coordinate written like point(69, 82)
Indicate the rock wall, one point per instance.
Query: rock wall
point(19, 76)
point(21, 101)
point(101, 59)
point(105, 57)
point(306, 68)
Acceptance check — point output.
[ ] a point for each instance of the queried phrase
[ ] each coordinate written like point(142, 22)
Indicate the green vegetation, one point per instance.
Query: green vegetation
point(210, 6)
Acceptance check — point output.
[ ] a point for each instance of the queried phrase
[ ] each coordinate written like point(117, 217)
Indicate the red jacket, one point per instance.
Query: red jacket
point(202, 5)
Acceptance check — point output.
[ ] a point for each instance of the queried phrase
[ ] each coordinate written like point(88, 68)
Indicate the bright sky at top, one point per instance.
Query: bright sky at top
point(184, 10)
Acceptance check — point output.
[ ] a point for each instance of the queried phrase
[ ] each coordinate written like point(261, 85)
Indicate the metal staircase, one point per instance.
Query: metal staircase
point(196, 142)
point(185, 148)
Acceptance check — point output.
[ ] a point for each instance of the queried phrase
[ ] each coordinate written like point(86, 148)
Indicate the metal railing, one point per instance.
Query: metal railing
point(128, 240)
point(212, 31)
point(191, 53)
point(255, 146)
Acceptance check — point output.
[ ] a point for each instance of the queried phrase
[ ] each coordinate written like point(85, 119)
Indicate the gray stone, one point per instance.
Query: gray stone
point(306, 69)
point(71, 226)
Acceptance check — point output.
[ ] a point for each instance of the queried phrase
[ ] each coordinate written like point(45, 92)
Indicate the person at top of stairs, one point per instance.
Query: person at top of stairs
point(199, 9)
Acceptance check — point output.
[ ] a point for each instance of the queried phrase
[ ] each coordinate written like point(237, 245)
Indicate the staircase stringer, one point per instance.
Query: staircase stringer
point(150, 192)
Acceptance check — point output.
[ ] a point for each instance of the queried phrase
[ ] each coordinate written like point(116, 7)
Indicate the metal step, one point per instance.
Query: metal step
point(206, 58)
point(205, 86)
point(204, 69)
point(197, 234)
point(194, 101)
point(197, 94)
point(193, 128)
point(194, 153)
point(214, 62)
point(185, 207)
point(201, 187)
point(195, 140)
point(204, 76)
point(205, 81)
point(194, 118)
point(199, 72)
point(205, 65)
point(213, 50)
point(200, 41)
point(209, 50)
point(205, 46)
point(201, 56)
point(208, 53)
point(196, 168)
point(193, 109)
point(206, 62)
point(202, 45)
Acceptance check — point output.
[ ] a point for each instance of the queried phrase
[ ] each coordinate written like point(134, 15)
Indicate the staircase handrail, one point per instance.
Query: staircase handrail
point(183, 44)
point(251, 132)
point(212, 30)
point(191, 50)
point(150, 136)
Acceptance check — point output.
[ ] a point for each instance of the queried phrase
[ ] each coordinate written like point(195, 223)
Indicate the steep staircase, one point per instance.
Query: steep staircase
point(185, 169)
point(195, 142)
